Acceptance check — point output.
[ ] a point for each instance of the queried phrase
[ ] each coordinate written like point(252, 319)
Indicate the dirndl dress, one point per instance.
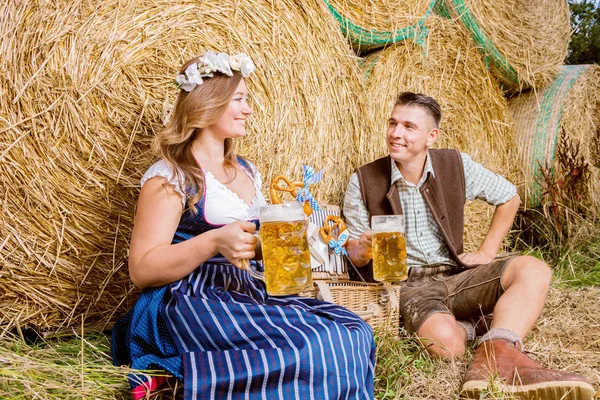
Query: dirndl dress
point(226, 338)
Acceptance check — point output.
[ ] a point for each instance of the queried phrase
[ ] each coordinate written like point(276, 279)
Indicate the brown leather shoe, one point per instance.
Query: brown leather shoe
point(500, 363)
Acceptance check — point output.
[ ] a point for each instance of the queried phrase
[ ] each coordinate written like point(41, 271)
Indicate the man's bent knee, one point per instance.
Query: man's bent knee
point(527, 269)
point(442, 336)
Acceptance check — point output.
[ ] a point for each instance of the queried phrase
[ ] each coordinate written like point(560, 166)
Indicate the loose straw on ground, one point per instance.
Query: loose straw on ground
point(448, 68)
point(84, 89)
point(523, 42)
point(558, 140)
point(563, 338)
point(377, 23)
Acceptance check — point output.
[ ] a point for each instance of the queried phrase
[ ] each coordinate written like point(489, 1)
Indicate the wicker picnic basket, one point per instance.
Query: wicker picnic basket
point(376, 303)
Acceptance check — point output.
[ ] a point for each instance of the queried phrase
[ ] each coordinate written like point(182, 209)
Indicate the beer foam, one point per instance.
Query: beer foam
point(387, 223)
point(287, 212)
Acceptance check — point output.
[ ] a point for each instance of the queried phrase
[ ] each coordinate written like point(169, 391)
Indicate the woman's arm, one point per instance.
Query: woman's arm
point(154, 261)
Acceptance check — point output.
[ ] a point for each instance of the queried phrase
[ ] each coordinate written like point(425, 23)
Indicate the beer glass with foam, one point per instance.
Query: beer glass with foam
point(389, 248)
point(284, 243)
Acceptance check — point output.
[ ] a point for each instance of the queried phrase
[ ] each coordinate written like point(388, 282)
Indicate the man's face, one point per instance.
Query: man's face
point(411, 131)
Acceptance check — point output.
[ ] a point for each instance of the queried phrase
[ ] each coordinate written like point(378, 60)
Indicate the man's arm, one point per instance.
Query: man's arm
point(501, 222)
point(495, 190)
point(357, 221)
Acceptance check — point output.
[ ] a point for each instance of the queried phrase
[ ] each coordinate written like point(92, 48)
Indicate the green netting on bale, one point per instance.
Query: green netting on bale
point(372, 38)
point(368, 68)
point(441, 9)
point(493, 58)
point(545, 136)
point(541, 132)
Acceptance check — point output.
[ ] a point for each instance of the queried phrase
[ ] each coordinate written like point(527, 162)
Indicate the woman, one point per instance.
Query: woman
point(201, 316)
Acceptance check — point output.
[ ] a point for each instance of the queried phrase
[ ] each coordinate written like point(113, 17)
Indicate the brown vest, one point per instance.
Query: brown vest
point(444, 195)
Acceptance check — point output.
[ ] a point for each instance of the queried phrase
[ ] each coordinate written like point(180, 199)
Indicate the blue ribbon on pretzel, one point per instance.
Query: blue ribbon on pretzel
point(338, 245)
point(309, 178)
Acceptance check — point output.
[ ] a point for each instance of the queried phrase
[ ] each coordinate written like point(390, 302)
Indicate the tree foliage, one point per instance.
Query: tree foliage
point(584, 47)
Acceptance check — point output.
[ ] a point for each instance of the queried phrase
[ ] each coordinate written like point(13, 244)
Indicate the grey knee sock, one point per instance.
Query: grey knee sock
point(469, 328)
point(501, 334)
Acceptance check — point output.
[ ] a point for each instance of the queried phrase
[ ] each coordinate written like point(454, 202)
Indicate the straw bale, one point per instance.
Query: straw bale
point(478, 216)
point(84, 89)
point(474, 111)
point(557, 140)
point(376, 23)
point(524, 42)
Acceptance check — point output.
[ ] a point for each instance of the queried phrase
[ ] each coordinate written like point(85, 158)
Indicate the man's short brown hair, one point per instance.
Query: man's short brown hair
point(420, 100)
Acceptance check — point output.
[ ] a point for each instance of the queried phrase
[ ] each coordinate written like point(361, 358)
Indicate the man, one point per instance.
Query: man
point(449, 291)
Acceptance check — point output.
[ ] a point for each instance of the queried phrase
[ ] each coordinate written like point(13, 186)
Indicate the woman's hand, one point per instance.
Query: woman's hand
point(236, 242)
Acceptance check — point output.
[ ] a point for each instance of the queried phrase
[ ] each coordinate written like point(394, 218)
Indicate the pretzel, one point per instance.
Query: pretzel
point(329, 232)
point(291, 187)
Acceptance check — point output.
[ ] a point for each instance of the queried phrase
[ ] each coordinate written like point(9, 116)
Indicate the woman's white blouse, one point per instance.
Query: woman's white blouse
point(221, 205)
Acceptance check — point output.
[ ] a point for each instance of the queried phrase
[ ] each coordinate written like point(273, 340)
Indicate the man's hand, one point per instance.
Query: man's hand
point(365, 245)
point(361, 250)
point(502, 220)
point(476, 258)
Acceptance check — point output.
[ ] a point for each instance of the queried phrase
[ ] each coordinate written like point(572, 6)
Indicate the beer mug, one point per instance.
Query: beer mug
point(389, 248)
point(285, 252)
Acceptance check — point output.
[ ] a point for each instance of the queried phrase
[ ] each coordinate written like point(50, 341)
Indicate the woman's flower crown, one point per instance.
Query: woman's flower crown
point(212, 62)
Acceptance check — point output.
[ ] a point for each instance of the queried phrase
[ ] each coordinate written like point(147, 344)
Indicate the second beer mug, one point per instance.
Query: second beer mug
point(285, 251)
point(389, 248)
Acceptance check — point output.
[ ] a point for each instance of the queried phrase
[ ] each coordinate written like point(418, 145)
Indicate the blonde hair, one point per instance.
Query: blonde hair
point(194, 111)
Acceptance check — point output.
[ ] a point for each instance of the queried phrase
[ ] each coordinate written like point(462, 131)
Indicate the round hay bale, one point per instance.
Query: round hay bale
point(523, 42)
point(84, 89)
point(377, 23)
point(557, 133)
point(449, 69)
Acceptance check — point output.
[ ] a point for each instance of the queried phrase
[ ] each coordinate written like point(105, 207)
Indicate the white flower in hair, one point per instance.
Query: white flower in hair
point(217, 62)
point(212, 62)
point(235, 62)
point(246, 65)
point(191, 79)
